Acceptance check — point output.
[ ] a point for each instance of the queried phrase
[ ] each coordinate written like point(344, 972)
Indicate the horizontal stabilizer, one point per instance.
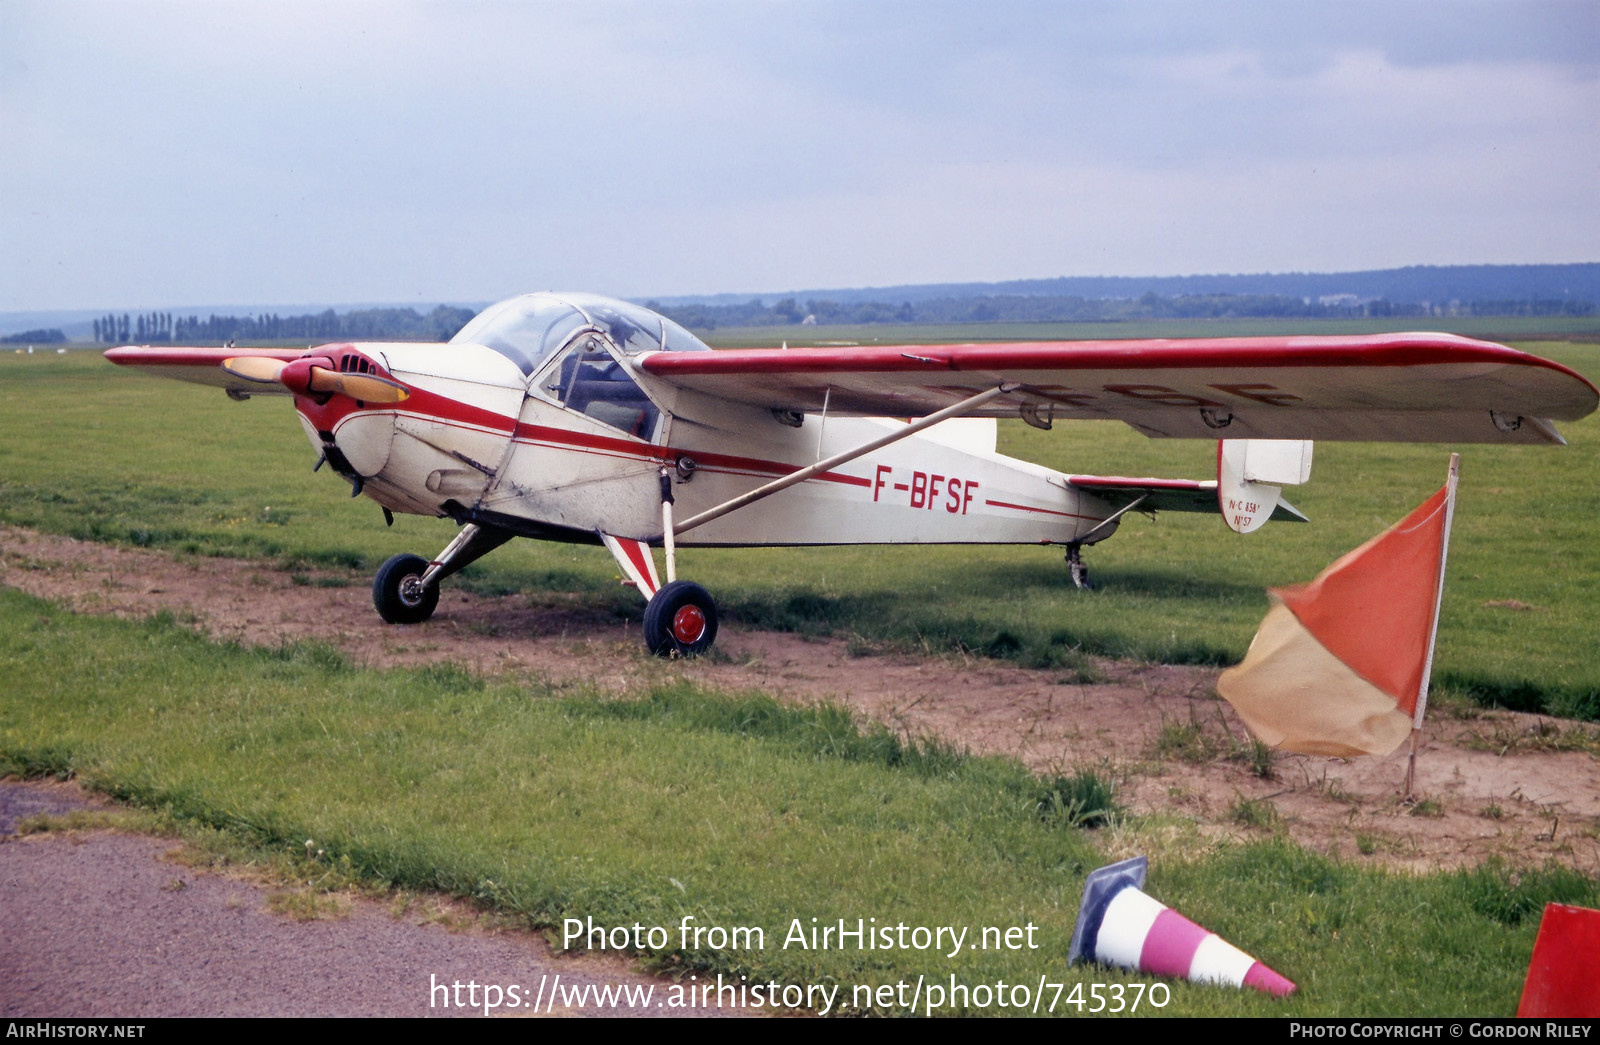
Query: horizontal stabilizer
point(1167, 495)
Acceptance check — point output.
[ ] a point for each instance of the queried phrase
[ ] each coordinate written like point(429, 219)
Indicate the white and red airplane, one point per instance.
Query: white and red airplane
point(572, 417)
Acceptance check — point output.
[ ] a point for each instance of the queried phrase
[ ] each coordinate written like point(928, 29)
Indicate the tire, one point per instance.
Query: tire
point(681, 620)
point(398, 601)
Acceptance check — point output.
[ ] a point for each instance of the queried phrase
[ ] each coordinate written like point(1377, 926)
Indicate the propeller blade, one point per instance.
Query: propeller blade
point(261, 369)
point(366, 387)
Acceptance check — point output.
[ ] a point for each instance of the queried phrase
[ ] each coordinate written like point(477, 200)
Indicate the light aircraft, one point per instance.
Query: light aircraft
point(573, 417)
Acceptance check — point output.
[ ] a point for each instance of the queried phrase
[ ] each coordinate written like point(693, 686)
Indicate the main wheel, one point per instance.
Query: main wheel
point(680, 620)
point(398, 593)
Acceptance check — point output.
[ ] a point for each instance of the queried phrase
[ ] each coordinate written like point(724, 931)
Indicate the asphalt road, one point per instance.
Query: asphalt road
point(100, 924)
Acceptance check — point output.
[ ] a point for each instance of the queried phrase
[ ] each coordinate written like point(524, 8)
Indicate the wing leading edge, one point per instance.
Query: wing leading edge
point(1382, 387)
point(203, 366)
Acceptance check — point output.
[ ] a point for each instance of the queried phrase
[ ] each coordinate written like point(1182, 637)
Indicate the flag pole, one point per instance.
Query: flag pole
point(1433, 632)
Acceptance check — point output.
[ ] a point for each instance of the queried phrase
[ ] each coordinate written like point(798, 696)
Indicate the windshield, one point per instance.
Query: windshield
point(525, 330)
point(529, 329)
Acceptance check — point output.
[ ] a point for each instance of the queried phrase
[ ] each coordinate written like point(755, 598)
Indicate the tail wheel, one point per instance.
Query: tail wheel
point(398, 591)
point(681, 620)
point(1077, 569)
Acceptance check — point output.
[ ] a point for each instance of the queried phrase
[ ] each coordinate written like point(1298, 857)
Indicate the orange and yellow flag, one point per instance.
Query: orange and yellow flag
point(1340, 666)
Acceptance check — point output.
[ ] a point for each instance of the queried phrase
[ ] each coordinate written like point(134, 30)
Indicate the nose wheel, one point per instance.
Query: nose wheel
point(680, 620)
point(399, 593)
point(406, 589)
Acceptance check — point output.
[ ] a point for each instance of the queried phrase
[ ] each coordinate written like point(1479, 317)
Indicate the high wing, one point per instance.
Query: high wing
point(1382, 387)
point(203, 366)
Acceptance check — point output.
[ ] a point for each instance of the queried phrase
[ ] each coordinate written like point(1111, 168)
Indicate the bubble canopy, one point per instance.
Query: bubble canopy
point(529, 329)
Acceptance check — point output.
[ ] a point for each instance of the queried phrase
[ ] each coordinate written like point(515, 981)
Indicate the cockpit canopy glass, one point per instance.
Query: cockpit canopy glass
point(529, 329)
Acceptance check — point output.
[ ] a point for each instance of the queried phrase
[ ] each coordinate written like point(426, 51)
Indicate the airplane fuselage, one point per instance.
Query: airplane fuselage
point(579, 418)
point(478, 439)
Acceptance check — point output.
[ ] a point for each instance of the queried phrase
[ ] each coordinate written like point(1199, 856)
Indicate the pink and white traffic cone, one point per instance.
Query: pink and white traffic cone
point(1118, 924)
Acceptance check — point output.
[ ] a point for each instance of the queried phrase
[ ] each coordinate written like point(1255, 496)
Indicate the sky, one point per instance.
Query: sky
point(165, 153)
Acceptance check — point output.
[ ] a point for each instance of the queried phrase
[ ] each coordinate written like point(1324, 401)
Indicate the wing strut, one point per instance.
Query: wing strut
point(966, 406)
point(1089, 538)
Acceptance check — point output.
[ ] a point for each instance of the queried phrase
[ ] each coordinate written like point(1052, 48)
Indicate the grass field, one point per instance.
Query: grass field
point(735, 810)
point(732, 811)
point(91, 451)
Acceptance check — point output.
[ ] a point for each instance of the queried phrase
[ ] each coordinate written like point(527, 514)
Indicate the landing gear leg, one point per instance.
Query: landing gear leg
point(1077, 569)
point(680, 618)
point(406, 589)
point(680, 621)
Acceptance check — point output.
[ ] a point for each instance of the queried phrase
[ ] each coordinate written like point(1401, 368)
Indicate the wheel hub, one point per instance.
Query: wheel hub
point(688, 625)
point(411, 590)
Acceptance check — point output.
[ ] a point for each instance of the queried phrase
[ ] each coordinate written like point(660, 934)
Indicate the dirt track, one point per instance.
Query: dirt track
point(1494, 785)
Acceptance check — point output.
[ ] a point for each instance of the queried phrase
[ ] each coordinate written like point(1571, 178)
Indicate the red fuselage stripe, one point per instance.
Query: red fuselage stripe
point(434, 407)
point(1041, 511)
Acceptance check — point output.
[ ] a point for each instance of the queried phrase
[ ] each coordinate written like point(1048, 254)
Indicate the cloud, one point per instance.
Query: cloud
point(278, 151)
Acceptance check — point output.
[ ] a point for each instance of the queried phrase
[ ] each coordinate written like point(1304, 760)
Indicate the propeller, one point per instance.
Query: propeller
point(302, 377)
point(260, 369)
point(368, 388)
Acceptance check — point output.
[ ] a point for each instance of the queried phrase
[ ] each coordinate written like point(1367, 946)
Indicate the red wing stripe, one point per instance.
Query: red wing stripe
point(1387, 350)
point(131, 355)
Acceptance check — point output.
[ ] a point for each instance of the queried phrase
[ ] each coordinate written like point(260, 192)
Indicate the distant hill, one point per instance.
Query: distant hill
point(1419, 290)
point(1413, 285)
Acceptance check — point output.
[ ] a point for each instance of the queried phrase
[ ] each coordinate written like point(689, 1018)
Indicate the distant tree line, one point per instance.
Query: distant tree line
point(1043, 308)
point(401, 324)
point(441, 324)
point(52, 336)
